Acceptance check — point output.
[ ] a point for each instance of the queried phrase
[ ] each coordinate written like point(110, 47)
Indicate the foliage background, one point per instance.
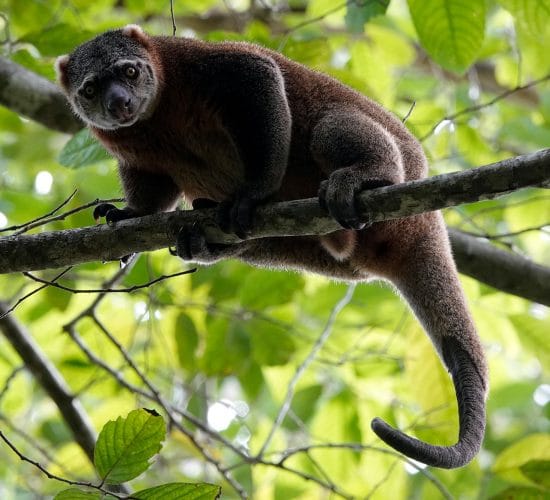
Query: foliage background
point(235, 335)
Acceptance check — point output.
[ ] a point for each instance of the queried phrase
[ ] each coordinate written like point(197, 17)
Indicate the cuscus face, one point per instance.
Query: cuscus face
point(110, 81)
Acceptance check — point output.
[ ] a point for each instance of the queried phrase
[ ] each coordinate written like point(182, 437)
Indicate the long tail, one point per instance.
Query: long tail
point(470, 394)
point(430, 284)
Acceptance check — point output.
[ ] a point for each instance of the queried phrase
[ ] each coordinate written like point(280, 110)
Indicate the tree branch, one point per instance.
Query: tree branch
point(300, 217)
point(53, 383)
point(505, 271)
point(35, 97)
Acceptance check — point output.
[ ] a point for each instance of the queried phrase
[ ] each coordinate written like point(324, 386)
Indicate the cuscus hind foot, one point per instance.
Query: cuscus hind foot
point(192, 245)
point(338, 196)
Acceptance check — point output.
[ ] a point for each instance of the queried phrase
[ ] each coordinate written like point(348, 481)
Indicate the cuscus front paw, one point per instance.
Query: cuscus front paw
point(113, 214)
point(191, 245)
point(338, 196)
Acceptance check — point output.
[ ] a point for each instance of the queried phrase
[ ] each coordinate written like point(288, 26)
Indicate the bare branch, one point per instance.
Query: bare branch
point(35, 97)
point(49, 475)
point(299, 217)
point(505, 271)
point(129, 289)
point(285, 407)
point(53, 383)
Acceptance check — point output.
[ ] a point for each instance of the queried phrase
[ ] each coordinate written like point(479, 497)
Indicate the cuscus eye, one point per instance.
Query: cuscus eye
point(89, 90)
point(131, 72)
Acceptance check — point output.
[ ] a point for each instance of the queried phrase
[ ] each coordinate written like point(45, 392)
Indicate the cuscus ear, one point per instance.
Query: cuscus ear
point(61, 70)
point(136, 32)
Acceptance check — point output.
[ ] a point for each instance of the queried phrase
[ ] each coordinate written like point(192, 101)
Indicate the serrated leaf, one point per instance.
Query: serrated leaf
point(81, 150)
point(538, 471)
point(451, 31)
point(76, 494)
point(180, 491)
point(359, 13)
point(125, 446)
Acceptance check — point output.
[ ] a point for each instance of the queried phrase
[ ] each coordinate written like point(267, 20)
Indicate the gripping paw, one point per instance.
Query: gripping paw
point(236, 215)
point(112, 214)
point(338, 195)
point(191, 245)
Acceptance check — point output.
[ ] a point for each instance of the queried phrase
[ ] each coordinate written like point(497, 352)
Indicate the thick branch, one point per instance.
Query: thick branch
point(300, 217)
point(51, 380)
point(505, 271)
point(35, 97)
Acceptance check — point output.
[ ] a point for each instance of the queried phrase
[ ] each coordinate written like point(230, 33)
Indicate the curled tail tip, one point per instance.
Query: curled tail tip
point(445, 457)
point(380, 427)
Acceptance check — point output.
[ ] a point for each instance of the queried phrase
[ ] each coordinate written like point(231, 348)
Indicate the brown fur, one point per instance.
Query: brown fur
point(238, 124)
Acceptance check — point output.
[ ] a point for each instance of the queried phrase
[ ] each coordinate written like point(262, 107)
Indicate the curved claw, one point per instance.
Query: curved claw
point(236, 215)
point(112, 214)
point(102, 209)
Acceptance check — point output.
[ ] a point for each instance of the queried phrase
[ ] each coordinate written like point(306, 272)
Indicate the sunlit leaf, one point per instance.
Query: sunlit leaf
point(76, 494)
point(57, 39)
point(126, 445)
point(359, 13)
point(538, 471)
point(81, 150)
point(180, 491)
point(264, 288)
point(187, 340)
point(451, 31)
point(509, 462)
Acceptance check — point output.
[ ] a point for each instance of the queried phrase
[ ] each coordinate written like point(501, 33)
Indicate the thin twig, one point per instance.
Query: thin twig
point(305, 364)
point(49, 475)
point(36, 290)
point(483, 105)
point(109, 290)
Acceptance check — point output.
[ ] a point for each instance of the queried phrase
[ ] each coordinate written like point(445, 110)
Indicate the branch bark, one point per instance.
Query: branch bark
point(301, 217)
point(505, 271)
point(53, 383)
point(35, 97)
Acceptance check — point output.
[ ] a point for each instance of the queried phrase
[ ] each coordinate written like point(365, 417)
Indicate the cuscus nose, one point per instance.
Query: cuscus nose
point(118, 102)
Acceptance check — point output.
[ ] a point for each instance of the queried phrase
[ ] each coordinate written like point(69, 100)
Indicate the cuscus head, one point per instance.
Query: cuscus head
point(110, 80)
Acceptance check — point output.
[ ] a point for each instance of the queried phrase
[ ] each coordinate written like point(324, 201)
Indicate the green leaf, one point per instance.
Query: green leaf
point(180, 491)
point(57, 39)
point(533, 17)
point(271, 344)
point(304, 405)
point(57, 298)
point(519, 493)
point(451, 31)
point(125, 445)
point(534, 335)
point(359, 13)
point(263, 288)
point(76, 494)
point(187, 341)
point(81, 150)
point(226, 347)
point(538, 471)
point(508, 463)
